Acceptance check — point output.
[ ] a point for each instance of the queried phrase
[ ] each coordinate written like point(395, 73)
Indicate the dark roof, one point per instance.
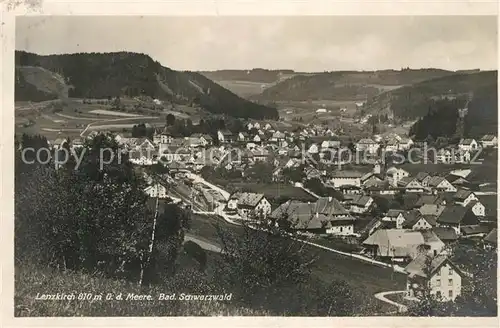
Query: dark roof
point(428, 199)
point(368, 226)
point(393, 213)
point(324, 207)
point(488, 137)
point(491, 237)
point(310, 215)
point(410, 200)
point(360, 200)
point(475, 229)
point(462, 194)
point(445, 233)
point(417, 267)
point(347, 174)
point(247, 199)
point(452, 214)
point(421, 176)
point(490, 204)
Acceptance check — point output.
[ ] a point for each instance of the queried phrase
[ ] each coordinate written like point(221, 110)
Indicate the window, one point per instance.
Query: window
point(450, 272)
point(438, 282)
point(438, 273)
point(435, 252)
point(450, 294)
point(450, 282)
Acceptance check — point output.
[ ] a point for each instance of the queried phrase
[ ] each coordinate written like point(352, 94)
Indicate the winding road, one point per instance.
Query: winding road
point(382, 297)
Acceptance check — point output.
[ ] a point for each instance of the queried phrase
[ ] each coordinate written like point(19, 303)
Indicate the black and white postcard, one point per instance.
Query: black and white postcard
point(251, 165)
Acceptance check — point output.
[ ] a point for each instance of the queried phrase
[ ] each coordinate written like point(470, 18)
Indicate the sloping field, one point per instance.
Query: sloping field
point(44, 80)
point(112, 113)
point(244, 88)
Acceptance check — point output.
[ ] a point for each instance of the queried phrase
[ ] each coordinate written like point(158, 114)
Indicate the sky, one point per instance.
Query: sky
point(307, 43)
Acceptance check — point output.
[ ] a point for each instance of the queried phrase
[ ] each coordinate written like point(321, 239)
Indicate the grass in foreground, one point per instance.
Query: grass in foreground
point(30, 281)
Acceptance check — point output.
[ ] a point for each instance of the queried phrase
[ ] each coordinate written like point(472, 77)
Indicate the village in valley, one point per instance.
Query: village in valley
point(333, 182)
point(366, 205)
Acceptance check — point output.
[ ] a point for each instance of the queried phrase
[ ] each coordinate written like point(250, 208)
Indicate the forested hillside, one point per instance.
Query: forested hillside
point(442, 115)
point(254, 75)
point(105, 75)
point(413, 101)
point(346, 85)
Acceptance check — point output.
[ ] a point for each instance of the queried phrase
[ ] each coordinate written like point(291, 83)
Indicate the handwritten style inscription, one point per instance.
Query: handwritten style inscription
point(130, 297)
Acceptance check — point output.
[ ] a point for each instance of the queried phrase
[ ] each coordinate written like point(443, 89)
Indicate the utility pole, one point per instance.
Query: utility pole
point(141, 279)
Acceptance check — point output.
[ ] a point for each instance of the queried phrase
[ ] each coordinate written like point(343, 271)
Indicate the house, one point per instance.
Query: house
point(140, 157)
point(58, 143)
point(371, 180)
point(177, 167)
point(242, 136)
point(401, 244)
point(330, 144)
point(431, 209)
point(342, 178)
point(437, 272)
point(474, 231)
point(360, 204)
point(392, 146)
point(164, 138)
point(447, 235)
point(76, 143)
point(396, 217)
point(395, 174)
point(199, 140)
point(260, 154)
point(326, 215)
point(477, 208)
point(489, 140)
point(405, 143)
point(420, 222)
point(225, 136)
point(371, 227)
point(445, 155)
point(277, 137)
point(313, 149)
point(456, 216)
point(257, 139)
point(349, 190)
point(468, 145)
point(248, 204)
point(142, 144)
point(367, 145)
point(175, 154)
point(423, 178)
point(410, 184)
point(156, 190)
point(440, 184)
point(431, 200)
point(312, 172)
point(463, 197)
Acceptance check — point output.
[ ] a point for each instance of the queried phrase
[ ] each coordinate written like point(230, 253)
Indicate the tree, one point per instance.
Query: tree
point(170, 119)
point(294, 174)
point(257, 264)
point(96, 218)
point(261, 171)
